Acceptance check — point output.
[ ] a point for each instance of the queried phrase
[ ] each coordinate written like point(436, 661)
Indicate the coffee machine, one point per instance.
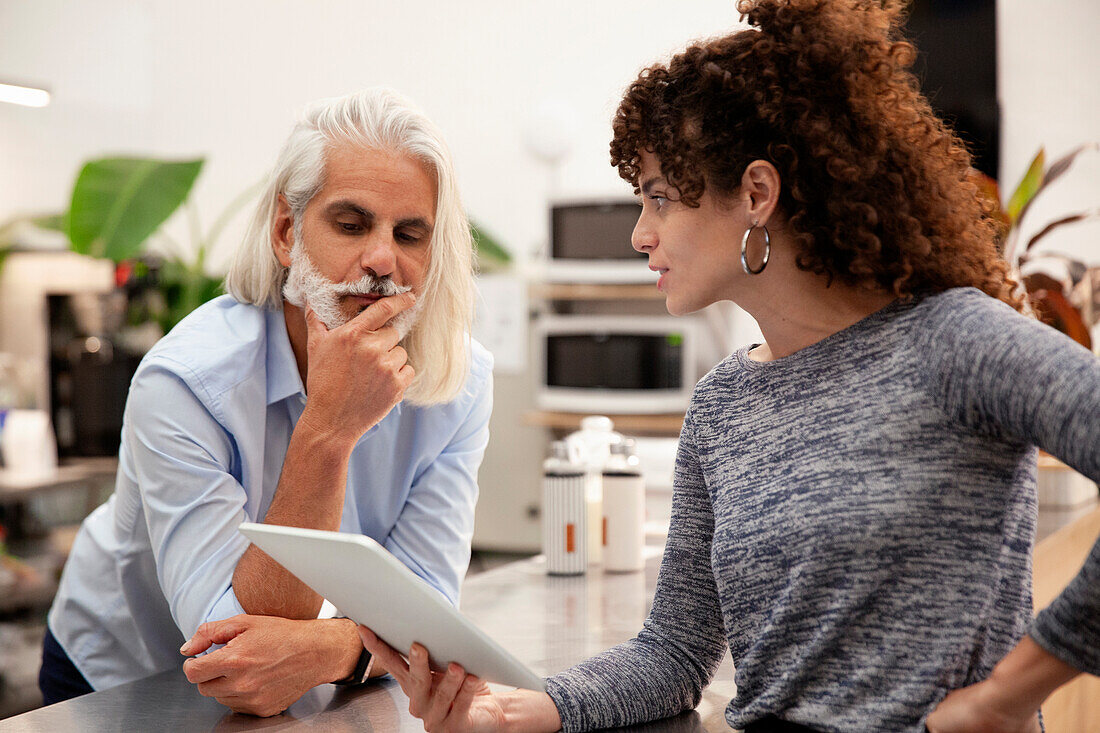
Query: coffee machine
point(90, 371)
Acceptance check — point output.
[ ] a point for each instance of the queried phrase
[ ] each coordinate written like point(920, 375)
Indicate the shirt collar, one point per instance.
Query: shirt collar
point(283, 379)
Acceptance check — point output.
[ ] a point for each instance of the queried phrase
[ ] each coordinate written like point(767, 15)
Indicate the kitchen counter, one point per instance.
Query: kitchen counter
point(548, 622)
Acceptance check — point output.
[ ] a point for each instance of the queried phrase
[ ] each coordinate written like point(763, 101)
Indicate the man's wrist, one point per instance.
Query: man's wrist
point(362, 672)
point(347, 648)
point(323, 433)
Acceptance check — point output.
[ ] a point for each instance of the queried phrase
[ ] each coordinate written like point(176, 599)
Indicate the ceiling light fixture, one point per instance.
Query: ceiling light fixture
point(26, 96)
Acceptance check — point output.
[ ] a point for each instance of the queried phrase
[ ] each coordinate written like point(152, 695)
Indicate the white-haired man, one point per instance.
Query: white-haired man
point(336, 388)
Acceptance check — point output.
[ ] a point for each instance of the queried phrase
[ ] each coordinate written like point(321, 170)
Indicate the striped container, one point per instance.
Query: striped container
point(564, 513)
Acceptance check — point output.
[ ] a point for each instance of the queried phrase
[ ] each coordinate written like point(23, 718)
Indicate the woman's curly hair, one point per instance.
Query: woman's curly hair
point(878, 191)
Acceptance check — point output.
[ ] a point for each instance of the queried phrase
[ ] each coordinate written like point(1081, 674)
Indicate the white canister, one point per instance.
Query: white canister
point(591, 447)
point(623, 527)
point(564, 513)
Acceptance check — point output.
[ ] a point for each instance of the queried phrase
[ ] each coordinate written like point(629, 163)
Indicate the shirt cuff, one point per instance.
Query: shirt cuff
point(225, 607)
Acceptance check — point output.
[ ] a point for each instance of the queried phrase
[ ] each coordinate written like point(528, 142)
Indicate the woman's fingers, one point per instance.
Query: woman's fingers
point(420, 680)
point(393, 662)
point(460, 708)
point(439, 705)
point(435, 698)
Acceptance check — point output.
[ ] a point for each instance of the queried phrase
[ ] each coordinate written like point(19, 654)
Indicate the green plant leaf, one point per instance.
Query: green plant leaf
point(1025, 191)
point(489, 251)
point(5, 232)
point(1055, 171)
point(184, 288)
point(243, 198)
point(53, 222)
point(118, 202)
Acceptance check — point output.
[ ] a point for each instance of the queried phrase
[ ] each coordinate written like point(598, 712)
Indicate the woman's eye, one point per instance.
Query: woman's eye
point(659, 201)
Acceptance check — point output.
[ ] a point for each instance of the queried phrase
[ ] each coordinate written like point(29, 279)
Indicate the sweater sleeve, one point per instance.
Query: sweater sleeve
point(1022, 378)
point(665, 669)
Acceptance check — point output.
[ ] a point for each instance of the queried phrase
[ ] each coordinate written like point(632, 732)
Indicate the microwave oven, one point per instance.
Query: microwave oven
point(615, 364)
point(590, 243)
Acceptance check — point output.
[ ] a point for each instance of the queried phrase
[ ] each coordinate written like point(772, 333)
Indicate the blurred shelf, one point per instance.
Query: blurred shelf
point(27, 595)
point(72, 473)
point(594, 291)
point(663, 424)
point(30, 580)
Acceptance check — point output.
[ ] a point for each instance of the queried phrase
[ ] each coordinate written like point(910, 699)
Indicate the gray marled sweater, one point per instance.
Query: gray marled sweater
point(856, 522)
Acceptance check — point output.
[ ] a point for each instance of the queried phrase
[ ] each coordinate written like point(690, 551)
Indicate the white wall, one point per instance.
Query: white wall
point(224, 80)
point(1048, 60)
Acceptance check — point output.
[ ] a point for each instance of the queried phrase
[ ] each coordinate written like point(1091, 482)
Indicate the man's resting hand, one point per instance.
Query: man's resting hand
point(268, 662)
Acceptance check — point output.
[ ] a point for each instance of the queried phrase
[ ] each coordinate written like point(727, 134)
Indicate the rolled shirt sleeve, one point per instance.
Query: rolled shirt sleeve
point(181, 459)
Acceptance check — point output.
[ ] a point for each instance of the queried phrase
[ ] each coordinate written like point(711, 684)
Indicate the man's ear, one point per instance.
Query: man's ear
point(282, 232)
point(760, 190)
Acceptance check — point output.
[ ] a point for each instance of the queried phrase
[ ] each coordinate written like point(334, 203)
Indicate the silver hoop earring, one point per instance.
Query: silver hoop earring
point(745, 247)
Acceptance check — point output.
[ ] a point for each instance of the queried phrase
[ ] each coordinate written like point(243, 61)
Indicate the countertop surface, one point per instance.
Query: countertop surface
point(546, 621)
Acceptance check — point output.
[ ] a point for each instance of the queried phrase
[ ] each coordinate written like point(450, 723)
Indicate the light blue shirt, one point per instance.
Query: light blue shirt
point(208, 421)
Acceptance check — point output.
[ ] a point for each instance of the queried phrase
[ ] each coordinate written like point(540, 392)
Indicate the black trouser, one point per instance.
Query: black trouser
point(772, 724)
point(59, 679)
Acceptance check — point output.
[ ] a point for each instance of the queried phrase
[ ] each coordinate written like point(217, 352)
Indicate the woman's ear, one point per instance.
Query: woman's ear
point(282, 231)
point(760, 190)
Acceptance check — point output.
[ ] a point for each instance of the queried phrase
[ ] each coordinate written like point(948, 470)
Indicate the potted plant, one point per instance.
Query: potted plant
point(1066, 306)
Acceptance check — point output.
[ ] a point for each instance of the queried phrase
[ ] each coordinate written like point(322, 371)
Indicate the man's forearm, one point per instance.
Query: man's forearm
point(310, 494)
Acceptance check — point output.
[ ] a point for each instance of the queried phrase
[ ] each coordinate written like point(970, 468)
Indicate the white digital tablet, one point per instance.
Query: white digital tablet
point(373, 588)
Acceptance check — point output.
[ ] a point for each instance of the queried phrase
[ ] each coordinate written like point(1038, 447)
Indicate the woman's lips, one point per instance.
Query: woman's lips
point(661, 271)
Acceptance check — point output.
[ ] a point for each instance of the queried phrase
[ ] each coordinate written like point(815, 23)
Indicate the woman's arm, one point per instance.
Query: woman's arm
point(1009, 699)
point(1022, 378)
point(661, 672)
point(667, 666)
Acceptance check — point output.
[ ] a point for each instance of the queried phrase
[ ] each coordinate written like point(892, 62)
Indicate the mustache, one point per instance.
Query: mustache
point(370, 285)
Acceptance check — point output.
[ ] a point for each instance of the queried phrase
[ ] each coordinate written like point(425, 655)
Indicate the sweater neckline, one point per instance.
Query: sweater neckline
point(863, 326)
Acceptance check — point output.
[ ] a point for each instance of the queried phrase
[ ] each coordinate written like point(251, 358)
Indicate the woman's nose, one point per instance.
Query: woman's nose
point(643, 238)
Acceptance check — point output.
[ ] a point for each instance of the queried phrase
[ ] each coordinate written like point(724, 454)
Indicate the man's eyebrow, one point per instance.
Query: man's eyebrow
point(349, 207)
point(415, 221)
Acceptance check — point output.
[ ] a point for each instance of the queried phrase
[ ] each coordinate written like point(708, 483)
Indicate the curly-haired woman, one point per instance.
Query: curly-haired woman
point(854, 505)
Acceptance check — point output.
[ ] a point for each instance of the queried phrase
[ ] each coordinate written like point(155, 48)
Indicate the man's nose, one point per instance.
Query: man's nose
point(379, 254)
point(643, 238)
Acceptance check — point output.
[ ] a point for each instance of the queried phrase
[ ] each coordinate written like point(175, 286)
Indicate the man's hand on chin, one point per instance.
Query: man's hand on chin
point(268, 662)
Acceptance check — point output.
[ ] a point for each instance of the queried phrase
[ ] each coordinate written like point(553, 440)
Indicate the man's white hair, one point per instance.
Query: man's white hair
point(380, 119)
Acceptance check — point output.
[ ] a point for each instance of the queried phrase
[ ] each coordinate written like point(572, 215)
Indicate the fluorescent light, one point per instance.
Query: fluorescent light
point(27, 96)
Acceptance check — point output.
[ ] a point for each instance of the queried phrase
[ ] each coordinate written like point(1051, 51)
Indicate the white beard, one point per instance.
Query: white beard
point(305, 285)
